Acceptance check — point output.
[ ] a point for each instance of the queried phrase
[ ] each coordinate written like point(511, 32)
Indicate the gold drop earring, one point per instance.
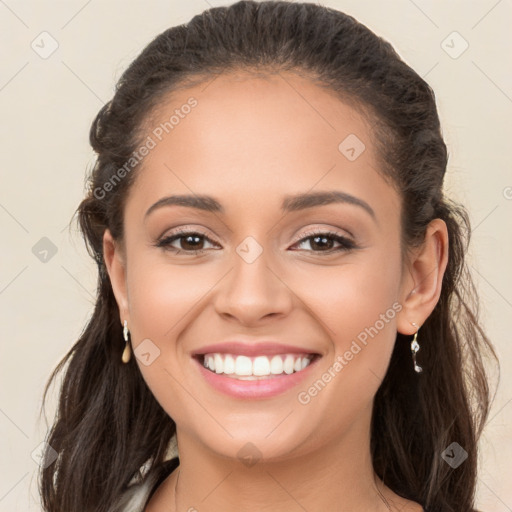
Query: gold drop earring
point(127, 352)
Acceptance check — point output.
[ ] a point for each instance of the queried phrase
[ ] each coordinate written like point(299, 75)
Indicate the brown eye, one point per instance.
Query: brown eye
point(324, 242)
point(191, 242)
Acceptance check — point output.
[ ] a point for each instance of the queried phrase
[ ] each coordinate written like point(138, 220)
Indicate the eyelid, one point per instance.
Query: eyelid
point(187, 230)
point(321, 231)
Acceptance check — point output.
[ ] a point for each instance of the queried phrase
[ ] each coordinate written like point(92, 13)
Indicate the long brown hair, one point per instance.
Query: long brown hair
point(108, 423)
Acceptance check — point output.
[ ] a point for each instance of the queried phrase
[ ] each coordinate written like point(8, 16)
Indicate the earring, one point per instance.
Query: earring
point(415, 346)
point(127, 352)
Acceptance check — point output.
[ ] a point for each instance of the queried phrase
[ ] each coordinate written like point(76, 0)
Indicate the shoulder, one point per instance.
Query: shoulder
point(137, 494)
point(411, 506)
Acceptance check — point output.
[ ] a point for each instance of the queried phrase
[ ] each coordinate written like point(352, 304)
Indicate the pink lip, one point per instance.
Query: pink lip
point(251, 349)
point(254, 389)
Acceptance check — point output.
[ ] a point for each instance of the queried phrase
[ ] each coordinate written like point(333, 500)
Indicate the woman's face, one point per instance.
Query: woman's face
point(272, 278)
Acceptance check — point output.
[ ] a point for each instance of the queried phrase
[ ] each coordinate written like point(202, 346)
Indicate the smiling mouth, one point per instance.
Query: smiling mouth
point(255, 368)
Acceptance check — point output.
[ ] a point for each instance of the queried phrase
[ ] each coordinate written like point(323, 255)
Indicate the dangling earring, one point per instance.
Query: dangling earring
point(415, 346)
point(127, 352)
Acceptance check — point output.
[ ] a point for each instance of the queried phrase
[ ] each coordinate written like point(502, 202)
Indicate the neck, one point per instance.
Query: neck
point(336, 476)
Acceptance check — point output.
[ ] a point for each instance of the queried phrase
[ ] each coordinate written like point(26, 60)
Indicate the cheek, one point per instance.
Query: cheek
point(163, 298)
point(357, 305)
point(349, 299)
point(161, 295)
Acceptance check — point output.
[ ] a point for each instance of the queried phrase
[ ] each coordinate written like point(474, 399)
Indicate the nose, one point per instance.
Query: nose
point(253, 292)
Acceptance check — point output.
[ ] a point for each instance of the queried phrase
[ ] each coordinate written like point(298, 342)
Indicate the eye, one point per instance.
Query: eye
point(187, 241)
point(323, 241)
point(193, 242)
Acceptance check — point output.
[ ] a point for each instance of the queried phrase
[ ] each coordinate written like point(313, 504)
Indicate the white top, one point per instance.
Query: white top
point(136, 497)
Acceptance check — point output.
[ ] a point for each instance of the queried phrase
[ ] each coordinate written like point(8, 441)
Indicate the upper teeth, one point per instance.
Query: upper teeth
point(256, 366)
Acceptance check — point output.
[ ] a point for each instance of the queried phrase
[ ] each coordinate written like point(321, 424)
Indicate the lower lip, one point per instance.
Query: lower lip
point(262, 388)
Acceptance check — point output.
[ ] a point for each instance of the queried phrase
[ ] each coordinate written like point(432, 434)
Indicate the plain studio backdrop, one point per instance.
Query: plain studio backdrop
point(60, 61)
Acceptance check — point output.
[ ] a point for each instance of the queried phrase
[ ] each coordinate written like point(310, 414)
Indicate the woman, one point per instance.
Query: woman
point(282, 287)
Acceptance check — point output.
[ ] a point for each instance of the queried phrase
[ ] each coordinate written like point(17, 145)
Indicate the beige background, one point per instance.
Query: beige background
point(47, 107)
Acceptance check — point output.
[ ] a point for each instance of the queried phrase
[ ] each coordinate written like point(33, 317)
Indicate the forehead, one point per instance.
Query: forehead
point(240, 136)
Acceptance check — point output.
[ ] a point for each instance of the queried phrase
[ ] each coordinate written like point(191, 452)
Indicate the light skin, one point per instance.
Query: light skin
point(249, 143)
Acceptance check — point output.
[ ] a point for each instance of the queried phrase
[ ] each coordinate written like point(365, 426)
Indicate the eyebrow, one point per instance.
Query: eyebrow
point(290, 203)
point(312, 199)
point(206, 203)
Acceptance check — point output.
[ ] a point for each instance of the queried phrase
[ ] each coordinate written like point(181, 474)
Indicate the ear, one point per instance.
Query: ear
point(115, 261)
point(422, 282)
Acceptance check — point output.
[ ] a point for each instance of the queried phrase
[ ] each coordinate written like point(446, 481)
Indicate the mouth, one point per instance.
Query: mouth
point(255, 377)
point(259, 367)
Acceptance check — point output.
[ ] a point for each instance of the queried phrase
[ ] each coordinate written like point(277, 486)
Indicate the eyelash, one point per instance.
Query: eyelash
point(345, 243)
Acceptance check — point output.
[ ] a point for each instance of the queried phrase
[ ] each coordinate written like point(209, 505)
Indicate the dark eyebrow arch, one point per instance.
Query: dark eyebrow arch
point(312, 199)
point(206, 203)
point(290, 203)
